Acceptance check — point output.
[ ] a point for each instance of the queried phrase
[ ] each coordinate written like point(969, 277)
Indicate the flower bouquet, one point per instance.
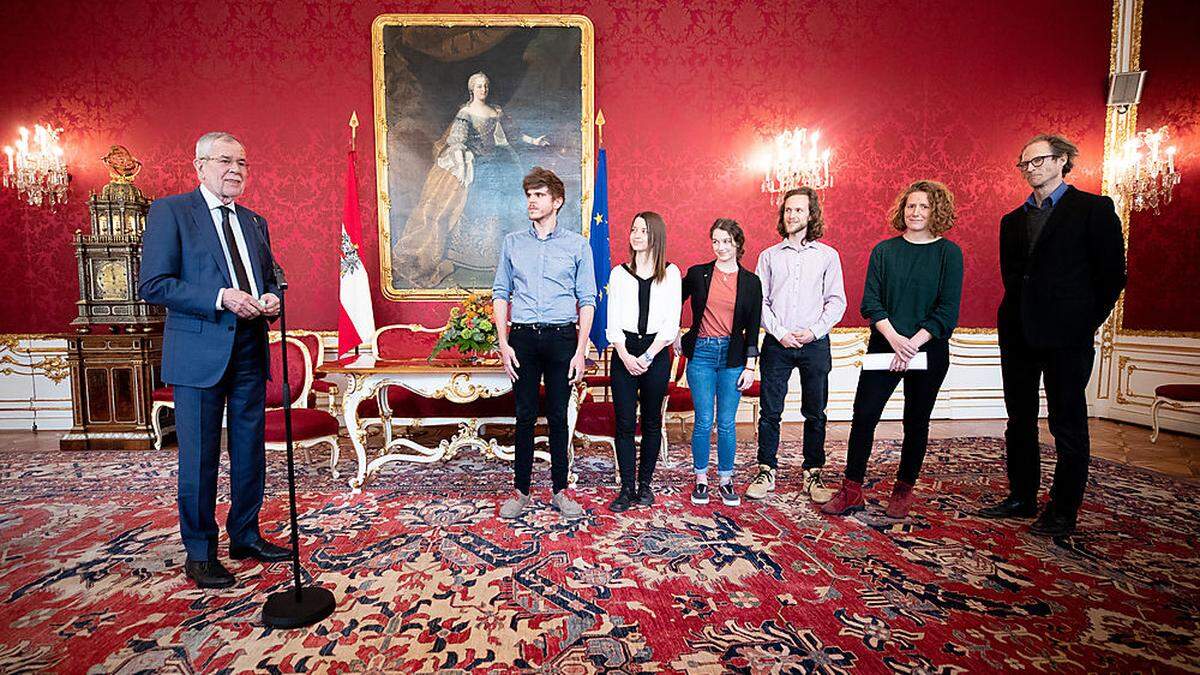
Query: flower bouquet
point(471, 329)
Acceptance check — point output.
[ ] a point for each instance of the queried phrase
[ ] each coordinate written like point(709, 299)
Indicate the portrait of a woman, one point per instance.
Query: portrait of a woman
point(468, 196)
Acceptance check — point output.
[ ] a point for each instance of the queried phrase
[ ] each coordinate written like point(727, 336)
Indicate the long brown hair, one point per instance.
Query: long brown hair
point(656, 243)
point(816, 222)
point(941, 207)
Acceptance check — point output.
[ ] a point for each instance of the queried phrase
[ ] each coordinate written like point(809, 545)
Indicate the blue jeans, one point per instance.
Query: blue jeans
point(711, 381)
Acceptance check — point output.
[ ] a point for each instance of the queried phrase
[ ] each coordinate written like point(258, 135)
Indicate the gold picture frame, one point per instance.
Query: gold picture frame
point(447, 47)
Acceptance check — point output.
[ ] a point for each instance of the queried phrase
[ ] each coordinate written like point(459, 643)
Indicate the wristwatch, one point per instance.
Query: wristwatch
point(646, 358)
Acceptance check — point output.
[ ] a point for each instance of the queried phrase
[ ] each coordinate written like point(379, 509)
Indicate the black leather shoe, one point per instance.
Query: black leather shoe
point(1053, 524)
point(209, 573)
point(623, 501)
point(262, 551)
point(645, 495)
point(1011, 507)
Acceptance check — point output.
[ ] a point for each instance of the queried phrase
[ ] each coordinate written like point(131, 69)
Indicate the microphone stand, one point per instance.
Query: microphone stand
point(303, 605)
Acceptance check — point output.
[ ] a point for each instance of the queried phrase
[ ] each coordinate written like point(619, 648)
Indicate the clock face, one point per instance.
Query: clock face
point(111, 281)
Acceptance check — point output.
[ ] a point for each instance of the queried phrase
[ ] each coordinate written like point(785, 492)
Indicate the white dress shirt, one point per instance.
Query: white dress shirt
point(666, 304)
point(214, 210)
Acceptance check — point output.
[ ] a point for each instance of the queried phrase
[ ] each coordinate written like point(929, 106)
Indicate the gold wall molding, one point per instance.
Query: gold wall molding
point(1119, 128)
point(1127, 366)
point(16, 359)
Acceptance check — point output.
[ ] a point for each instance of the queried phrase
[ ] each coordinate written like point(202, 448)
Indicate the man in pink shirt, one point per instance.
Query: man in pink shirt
point(803, 298)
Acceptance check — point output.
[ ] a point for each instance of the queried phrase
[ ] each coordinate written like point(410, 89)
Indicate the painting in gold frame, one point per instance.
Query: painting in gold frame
point(465, 105)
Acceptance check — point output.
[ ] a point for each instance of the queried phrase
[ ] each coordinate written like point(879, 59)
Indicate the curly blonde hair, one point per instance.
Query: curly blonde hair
point(941, 203)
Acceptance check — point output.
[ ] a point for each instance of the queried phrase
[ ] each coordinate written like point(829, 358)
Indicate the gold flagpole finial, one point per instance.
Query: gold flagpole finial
point(353, 129)
point(600, 126)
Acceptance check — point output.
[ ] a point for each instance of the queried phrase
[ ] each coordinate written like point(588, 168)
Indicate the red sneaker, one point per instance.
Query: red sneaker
point(847, 500)
point(901, 500)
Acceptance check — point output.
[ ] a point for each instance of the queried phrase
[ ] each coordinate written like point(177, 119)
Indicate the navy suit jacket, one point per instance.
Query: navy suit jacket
point(182, 269)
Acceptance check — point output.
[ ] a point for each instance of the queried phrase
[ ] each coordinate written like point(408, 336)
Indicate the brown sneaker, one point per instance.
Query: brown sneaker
point(901, 500)
point(763, 484)
point(847, 500)
point(815, 488)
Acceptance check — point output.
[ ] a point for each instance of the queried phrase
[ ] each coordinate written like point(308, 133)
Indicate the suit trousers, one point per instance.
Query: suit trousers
point(814, 361)
point(542, 353)
point(1066, 372)
point(241, 392)
point(875, 387)
point(629, 392)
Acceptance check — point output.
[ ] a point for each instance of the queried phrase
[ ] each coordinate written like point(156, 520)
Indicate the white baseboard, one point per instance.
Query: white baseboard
point(35, 387)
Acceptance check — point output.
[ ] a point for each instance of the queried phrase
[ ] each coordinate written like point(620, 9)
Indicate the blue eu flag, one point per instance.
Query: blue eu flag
point(601, 261)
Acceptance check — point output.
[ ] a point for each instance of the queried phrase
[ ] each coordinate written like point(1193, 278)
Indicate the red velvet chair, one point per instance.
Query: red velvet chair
point(1180, 396)
point(162, 399)
point(679, 404)
point(311, 427)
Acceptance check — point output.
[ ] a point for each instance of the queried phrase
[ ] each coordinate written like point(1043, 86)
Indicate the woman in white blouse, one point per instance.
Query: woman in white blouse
point(644, 305)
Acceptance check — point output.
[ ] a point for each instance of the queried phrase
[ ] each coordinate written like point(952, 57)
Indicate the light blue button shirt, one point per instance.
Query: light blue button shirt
point(545, 280)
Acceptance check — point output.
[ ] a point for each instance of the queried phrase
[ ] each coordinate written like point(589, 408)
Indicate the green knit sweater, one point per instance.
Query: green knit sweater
point(914, 286)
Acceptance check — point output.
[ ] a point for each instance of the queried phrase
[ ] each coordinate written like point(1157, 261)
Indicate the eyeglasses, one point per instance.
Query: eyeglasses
point(1035, 162)
point(227, 162)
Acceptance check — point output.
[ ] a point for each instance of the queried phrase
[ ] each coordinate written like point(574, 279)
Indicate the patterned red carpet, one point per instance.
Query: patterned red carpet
point(428, 579)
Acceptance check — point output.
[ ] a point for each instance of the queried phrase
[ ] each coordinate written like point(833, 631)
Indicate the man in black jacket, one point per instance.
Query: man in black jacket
point(1062, 259)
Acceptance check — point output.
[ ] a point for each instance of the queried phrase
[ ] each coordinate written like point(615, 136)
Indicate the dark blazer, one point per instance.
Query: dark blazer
point(1058, 295)
point(183, 267)
point(747, 311)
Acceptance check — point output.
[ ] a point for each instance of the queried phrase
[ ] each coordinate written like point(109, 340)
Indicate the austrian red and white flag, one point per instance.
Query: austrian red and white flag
point(356, 320)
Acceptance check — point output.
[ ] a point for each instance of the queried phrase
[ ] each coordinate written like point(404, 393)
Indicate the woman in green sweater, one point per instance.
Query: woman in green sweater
point(911, 297)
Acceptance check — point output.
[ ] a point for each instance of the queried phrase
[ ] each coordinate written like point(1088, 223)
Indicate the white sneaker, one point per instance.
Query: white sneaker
point(815, 488)
point(763, 484)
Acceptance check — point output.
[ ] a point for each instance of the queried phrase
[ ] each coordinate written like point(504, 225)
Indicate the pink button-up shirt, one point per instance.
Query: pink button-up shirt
point(802, 288)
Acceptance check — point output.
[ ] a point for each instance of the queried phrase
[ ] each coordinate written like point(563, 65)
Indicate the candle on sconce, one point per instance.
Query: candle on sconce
point(9, 151)
point(1171, 159)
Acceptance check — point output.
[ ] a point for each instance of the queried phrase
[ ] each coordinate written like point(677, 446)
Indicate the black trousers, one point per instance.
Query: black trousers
point(814, 362)
point(631, 391)
point(1066, 372)
point(543, 353)
point(875, 387)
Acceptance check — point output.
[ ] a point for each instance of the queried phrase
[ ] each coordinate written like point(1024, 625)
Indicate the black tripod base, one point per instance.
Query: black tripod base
point(285, 610)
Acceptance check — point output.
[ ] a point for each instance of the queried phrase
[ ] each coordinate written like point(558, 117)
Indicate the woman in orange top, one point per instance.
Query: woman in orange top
point(722, 348)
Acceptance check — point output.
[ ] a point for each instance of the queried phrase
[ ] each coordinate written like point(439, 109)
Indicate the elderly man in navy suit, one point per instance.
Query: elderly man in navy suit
point(208, 260)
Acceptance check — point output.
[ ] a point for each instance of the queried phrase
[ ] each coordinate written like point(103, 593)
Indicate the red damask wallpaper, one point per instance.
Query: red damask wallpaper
point(903, 90)
point(1164, 249)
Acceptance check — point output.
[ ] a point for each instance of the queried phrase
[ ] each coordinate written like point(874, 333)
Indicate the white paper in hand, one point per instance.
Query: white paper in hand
point(883, 361)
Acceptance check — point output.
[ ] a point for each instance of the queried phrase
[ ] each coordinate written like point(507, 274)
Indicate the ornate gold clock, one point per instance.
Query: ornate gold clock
point(115, 351)
point(111, 279)
point(109, 258)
